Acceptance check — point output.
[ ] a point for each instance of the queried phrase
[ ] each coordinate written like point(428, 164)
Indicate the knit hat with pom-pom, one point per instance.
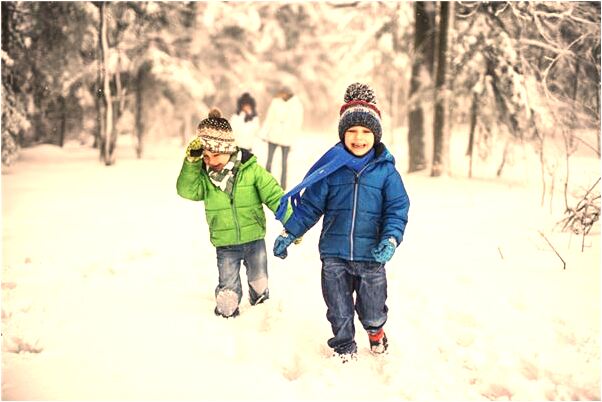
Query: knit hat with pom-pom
point(360, 109)
point(216, 133)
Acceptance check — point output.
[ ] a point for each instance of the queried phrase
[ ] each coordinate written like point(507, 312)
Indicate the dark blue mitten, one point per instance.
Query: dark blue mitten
point(281, 244)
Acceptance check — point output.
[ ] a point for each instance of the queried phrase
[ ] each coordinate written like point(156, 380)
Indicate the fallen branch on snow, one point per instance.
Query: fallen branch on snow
point(546, 239)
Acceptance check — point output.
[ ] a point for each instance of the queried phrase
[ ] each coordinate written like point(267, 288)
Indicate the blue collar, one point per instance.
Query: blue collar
point(360, 162)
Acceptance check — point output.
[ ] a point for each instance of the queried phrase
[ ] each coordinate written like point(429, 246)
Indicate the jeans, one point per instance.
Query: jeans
point(340, 278)
point(268, 165)
point(254, 257)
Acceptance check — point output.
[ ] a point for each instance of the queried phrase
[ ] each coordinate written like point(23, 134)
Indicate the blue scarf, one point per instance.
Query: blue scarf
point(334, 159)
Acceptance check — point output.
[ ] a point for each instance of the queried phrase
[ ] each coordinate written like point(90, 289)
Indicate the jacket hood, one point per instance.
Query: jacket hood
point(246, 156)
point(247, 159)
point(381, 153)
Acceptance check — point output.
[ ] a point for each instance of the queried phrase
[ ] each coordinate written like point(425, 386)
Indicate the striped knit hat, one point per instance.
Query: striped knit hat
point(360, 109)
point(216, 133)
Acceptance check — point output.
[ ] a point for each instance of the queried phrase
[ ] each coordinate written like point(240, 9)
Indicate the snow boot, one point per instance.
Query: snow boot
point(234, 314)
point(378, 342)
point(260, 299)
point(227, 303)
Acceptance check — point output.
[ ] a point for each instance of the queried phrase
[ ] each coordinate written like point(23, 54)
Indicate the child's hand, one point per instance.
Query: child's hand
point(194, 151)
point(385, 250)
point(281, 243)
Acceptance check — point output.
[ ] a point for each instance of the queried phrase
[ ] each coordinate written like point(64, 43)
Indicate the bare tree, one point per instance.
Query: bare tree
point(423, 63)
point(439, 139)
point(107, 141)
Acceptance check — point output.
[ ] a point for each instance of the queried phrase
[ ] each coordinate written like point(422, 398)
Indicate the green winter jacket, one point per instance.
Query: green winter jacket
point(238, 219)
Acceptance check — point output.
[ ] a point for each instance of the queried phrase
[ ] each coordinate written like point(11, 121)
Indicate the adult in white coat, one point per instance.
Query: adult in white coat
point(282, 125)
point(245, 123)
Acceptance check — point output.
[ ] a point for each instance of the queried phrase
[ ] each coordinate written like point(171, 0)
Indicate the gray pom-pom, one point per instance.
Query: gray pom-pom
point(359, 91)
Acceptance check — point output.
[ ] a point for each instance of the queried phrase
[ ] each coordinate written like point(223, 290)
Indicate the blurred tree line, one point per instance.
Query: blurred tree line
point(92, 71)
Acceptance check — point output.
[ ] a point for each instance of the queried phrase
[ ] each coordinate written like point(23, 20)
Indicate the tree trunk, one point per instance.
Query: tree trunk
point(394, 87)
point(99, 129)
point(423, 56)
point(473, 124)
point(440, 95)
point(107, 140)
point(121, 92)
point(99, 133)
point(598, 112)
point(38, 112)
point(116, 103)
point(63, 111)
point(598, 103)
point(569, 139)
point(7, 17)
point(431, 39)
point(119, 103)
point(140, 78)
point(575, 89)
point(449, 86)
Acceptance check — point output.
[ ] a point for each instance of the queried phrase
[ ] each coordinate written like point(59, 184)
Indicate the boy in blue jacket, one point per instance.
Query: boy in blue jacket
point(357, 188)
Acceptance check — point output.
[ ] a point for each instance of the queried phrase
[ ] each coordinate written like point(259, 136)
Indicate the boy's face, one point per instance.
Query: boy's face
point(247, 108)
point(214, 160)
point(359, 140)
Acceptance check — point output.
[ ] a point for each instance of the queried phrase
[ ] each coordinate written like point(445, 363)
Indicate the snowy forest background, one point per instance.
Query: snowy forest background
point(491, 109)
point(514, 72)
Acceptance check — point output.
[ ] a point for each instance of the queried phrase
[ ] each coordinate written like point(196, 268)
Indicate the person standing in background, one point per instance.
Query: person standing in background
point(245, 122)
point(282, 124)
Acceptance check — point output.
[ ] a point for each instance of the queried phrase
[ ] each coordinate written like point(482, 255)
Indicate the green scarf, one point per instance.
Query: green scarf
point(224, 179)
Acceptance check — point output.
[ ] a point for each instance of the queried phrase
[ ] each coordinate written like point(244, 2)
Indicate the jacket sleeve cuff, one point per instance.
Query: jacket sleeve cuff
point(396, 237)
point(294, 227)
point(188, 164)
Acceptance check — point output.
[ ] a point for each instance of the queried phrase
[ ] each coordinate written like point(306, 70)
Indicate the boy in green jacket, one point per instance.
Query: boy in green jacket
point(234, 188)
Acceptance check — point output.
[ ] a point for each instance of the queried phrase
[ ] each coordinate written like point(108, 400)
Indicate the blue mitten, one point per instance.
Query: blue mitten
point(385, 250)
point(281, 243)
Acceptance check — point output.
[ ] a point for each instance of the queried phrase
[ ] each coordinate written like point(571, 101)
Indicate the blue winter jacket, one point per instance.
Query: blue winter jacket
point(360, 209)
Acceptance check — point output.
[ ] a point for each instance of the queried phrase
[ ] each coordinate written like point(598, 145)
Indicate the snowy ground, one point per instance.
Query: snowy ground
point(108, 279)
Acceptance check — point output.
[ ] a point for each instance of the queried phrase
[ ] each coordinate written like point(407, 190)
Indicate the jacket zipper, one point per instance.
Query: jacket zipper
point(355, 187)
point(234, 214)
point(355, 191)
